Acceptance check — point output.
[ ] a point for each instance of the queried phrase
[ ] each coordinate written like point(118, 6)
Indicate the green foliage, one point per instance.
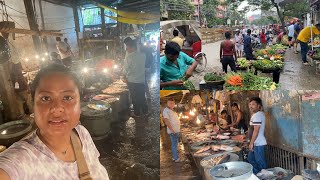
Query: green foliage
point(296, 9)
point(264, 21)
point(177, 9)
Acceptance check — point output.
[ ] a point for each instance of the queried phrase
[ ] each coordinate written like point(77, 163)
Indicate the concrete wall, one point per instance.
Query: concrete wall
point(55, 17)
point(310, 110)
point(282, 110)
point(293, 123)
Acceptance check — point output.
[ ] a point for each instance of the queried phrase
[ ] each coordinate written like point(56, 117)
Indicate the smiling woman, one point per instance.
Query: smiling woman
point(60, 148)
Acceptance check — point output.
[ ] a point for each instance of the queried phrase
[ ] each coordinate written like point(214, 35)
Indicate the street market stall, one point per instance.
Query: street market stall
point(208, 141)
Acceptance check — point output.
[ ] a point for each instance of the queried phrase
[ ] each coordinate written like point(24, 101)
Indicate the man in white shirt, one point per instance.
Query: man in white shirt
point(65, 52)
point(239, 43)
point(290, 34)
point(134, 71)
point(172, 121)
point(256, 156)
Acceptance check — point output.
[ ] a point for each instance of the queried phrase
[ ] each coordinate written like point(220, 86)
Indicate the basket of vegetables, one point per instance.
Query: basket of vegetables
point(279, 47)
point(248, 81)
point(243, 64)
point(187, 84)
point(268, 65)
point(316, 55)
point(214, 78)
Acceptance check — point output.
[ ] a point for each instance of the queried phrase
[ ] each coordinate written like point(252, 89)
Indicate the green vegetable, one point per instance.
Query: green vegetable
point(278, 46)
point(253, 82)
point(188, 85)
point(268, 64)
point(212, 77)
point(271, 51)
point(243, 62)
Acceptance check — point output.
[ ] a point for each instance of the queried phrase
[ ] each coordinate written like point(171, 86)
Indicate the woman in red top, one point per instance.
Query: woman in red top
point(263, 39)
point(227, 51)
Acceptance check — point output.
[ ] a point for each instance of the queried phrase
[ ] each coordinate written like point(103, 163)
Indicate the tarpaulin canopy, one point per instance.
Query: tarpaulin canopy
point(135, 15)
point(132, 21)
point(168, 92)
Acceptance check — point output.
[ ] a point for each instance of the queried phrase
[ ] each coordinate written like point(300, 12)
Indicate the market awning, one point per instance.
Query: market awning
point(132, 15)
point(168, 93)
point(132, 21)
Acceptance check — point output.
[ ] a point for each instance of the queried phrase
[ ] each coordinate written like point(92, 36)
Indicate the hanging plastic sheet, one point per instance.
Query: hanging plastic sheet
point(132, 21)
point(137, 15)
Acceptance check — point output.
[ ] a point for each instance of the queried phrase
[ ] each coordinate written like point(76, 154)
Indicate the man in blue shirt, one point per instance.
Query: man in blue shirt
point(247, 45)
point(297, 30)
point(174, 66)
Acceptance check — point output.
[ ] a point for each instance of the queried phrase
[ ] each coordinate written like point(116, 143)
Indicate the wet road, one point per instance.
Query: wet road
point(185, 170)
point(298, 76)
point(131, 150)
point(212, 51)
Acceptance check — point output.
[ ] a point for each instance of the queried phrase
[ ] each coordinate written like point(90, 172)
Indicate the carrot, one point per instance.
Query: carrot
point(235, 80)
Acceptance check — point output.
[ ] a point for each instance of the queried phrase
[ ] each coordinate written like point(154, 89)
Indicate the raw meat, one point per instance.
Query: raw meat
point(223, 137)
point(215, 148)
point(226, 148)
point(204, 149)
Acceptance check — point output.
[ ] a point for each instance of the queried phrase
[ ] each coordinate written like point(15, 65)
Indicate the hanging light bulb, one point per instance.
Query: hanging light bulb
point(105, 70)
point(85, 70)
point(26, 59)
point(42, 59)
point(37, 56)
point(198, 121)
point(46, 54)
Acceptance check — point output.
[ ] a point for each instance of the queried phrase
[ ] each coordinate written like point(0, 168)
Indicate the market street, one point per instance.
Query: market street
point(131, 150)
point(213, 63)
point(171, 170)
point(294, 75)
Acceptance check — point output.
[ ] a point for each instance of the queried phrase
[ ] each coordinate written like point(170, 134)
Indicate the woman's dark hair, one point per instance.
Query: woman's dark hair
point(228, 35)
point(172, 48)
point(175, 32)
point(257, 100)
point(224, 112)
point(234, 105)
point(53, 68)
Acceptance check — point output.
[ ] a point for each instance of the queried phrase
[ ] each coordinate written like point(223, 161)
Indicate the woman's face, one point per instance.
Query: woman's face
point(56, 104)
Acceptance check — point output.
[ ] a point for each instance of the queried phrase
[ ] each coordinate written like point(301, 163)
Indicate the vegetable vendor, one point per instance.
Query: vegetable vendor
point(174, 66)
point(258, 142)
point(304, 37)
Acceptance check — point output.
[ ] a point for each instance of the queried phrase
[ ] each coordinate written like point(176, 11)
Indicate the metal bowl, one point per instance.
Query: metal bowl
point(233, 157)
point(13, 131)
point(232, 171)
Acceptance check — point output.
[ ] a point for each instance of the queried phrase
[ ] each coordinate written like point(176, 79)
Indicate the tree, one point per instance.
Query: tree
point(177, 9)
point(264, 21)
point(268, 5)
point(296, 9)
point(209, 11)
